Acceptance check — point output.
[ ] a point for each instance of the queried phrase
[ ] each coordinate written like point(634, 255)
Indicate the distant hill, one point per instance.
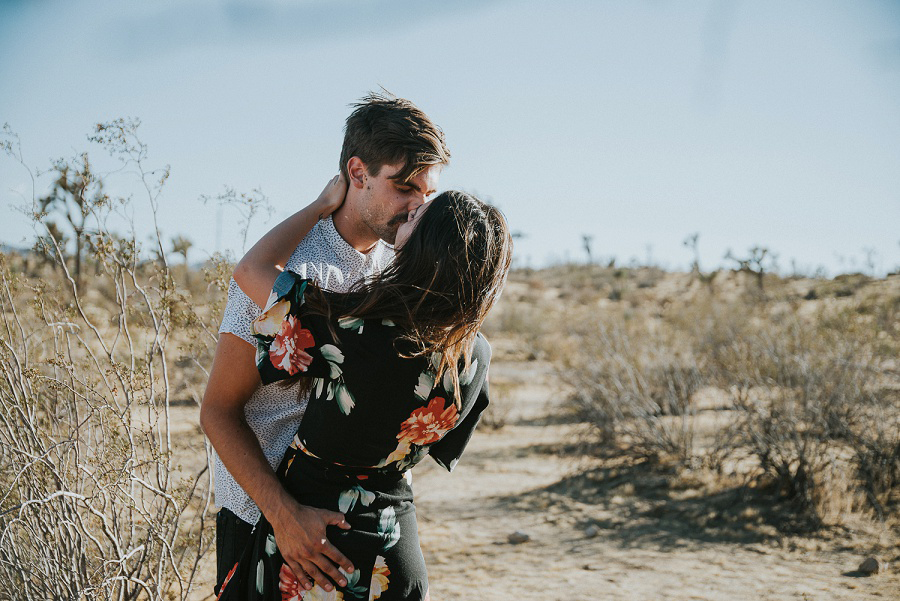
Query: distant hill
point(8, 249)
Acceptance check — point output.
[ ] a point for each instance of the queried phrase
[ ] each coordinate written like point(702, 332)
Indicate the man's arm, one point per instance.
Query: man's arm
point(299, 530)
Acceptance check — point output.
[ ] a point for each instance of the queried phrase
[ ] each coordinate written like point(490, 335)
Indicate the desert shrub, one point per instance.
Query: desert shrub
point(877, 463)
point(807, 395)
point(523, 320)
point(498, 412)
point(633, 380)
point(806, 389)
point(95, 504)
point(521, 315)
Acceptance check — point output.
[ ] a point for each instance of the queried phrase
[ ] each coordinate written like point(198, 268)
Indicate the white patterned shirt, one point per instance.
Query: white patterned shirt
point(274, 411)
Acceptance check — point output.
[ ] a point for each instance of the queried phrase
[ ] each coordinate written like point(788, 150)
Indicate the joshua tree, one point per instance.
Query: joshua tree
point(760, 262)
point(586, 240)
point(649, 248)
point(75, 194)
point(181, 245)
point(871, 259)
point(691, 243)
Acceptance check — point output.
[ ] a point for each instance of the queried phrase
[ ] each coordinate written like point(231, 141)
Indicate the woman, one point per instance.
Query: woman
point(395, 369)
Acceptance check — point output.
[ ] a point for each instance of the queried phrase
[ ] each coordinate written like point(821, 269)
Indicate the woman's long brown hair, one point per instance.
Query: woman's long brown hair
point(443, 281)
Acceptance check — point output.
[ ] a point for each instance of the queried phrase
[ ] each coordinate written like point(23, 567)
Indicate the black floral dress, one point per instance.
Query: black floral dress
point(372, 415)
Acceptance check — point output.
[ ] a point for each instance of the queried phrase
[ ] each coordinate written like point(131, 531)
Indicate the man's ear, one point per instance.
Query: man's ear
point(357, 171)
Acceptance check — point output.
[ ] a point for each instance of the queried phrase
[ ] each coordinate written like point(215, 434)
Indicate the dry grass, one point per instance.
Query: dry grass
point(96, 351)
point(798, 391)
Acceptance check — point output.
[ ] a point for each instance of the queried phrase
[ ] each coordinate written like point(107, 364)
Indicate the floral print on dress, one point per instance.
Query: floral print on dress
point(348, 498)
point(349, 322)
point(271, 547)
point(228, 578)
point(425, 385)
point(428, 424)
point(269, 323)
point(292, 338)
point(388, 528)
point(465, 378)
point(354, 589)
point(336, 388)
point(292, 590)
point(398, 454)
point(425, 426)
point(278, 332)
point(380, 581)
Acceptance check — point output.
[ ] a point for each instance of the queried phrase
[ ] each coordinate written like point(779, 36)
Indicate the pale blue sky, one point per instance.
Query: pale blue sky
point(636, 122)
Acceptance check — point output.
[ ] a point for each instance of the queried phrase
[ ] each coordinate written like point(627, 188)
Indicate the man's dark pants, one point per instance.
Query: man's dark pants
point(232, 535)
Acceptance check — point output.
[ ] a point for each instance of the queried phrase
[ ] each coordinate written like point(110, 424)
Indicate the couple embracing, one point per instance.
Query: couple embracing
point(338, 373)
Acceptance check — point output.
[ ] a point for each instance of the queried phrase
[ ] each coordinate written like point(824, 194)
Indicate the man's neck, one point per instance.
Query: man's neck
point(351, 228)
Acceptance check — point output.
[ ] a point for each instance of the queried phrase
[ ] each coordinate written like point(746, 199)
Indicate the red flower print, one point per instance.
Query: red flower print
point(428, 424)
point(290, 587)
point(225, 582)
point(291, 338)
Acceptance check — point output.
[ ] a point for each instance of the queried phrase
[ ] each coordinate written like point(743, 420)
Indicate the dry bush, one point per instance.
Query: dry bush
point(498, 412)
point(520, 315)
point(95, 504)
point(877, 462)
point(633, 380)
point(807, 391)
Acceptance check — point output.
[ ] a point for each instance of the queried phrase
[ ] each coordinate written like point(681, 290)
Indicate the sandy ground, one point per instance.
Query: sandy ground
point(602, 530)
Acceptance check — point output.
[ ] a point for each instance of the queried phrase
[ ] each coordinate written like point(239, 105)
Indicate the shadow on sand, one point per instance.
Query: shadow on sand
point(640, 503)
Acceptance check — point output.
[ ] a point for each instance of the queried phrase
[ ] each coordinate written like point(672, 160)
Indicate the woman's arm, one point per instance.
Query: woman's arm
point(256, 272)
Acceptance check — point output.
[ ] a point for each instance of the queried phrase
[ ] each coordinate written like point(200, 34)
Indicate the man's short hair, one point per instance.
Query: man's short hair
point(384, 129)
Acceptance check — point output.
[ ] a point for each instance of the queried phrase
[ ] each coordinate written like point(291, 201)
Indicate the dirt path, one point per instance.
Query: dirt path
point(512, 480)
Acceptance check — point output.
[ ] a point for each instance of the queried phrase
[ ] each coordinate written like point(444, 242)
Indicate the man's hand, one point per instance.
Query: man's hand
point(299, 530)
point(300, 536)
point(331, 197)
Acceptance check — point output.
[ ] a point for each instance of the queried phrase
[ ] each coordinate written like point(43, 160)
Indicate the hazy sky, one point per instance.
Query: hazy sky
point(638, 123)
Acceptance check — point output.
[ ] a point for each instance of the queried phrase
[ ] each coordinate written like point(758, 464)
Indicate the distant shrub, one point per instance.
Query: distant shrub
point(634, 383)
point(498, 412)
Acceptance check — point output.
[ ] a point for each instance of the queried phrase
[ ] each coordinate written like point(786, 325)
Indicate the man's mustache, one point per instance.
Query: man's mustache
point(398, 219)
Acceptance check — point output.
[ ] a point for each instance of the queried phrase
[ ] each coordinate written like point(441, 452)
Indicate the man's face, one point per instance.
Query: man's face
point(386, 203)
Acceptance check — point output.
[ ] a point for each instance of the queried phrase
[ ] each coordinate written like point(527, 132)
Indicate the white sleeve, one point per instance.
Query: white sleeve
point(240, 312)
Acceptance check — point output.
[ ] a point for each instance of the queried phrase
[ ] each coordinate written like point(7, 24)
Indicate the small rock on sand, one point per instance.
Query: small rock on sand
point(518, 537)
point(591, 531)
point(872, 565)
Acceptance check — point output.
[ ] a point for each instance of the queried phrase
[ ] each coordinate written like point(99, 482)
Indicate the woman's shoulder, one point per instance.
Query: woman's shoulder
point(481, 349)
point(472, 377)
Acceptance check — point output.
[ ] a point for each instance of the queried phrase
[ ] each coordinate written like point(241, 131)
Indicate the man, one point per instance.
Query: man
point(391, 160)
